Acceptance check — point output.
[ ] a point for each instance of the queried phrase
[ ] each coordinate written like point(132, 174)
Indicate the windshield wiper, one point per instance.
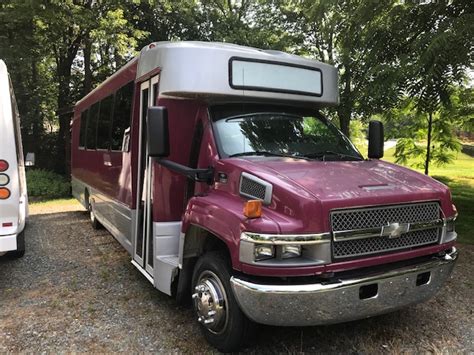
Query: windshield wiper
point(323, 155)
point(266, 154)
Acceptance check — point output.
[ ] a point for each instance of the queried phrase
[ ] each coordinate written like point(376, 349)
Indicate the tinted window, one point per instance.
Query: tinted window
point(92, 126)
point(155, 94)
point(121, 117)
point(273, 131)
point(103, 126)
point(82, 133)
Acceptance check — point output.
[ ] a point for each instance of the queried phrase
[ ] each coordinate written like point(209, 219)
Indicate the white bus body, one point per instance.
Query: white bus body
point(13, 194)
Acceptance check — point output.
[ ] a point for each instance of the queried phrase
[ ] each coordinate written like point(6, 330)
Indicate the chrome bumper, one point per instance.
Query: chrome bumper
point(314, 304)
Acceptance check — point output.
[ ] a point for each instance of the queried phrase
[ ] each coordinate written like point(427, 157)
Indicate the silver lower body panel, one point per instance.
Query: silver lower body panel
point(344, 300)
point(115, 216)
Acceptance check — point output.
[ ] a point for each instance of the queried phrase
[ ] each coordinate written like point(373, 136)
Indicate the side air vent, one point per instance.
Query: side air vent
point(255, 188)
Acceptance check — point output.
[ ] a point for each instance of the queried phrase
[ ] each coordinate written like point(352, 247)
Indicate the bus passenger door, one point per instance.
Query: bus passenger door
point(143, 229)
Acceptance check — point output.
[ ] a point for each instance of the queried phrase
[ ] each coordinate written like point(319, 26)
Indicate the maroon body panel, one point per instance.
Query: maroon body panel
point(221, 214)
point(304, 192)
point(169, 188)
point(107, 171)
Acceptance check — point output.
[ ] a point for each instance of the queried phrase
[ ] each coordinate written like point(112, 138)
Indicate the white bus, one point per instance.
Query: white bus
point(13, 195)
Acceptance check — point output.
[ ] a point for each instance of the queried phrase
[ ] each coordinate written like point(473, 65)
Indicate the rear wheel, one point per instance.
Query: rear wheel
point(220, 318)
point(95, 223)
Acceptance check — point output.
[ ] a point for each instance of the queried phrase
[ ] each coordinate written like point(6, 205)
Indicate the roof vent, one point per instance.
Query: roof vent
point(255, 188)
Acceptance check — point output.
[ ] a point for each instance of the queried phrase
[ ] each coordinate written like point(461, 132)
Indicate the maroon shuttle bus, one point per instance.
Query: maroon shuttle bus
point(214, 168)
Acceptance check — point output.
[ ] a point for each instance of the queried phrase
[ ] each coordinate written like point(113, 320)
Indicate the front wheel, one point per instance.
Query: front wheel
point(220, 318)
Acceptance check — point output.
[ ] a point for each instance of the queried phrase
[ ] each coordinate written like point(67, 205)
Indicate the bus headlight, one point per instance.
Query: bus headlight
point(449, 231)
point(290, 251)
point(450, 226)
point(282, 249)
point(264, 252)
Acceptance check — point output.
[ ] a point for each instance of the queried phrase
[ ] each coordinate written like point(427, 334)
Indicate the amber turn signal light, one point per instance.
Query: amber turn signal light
point(4, 193)
point(3, 165)
point(253, 209)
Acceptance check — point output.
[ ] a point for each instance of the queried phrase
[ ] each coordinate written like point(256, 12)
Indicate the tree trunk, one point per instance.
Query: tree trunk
point(428, 144)
point(87, 65)
point(64, 62)
point(344, 110)
point(37, 126)
point(64, 78)
point(64, 112)
point(344, 116)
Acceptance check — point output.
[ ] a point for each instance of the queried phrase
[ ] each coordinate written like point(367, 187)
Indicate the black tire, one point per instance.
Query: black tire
point(16, 254)
point(20, 251)
point(237, 331)
point(94, 221)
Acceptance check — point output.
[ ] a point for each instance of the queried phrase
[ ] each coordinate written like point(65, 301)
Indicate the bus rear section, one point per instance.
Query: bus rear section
point(13, 195)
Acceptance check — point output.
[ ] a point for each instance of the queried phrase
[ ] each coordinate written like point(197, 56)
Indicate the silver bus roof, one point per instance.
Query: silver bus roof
point(204, 69)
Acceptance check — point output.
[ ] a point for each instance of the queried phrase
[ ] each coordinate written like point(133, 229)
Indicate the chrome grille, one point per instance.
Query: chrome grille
point(360, 247)
point(362, 218)
point(376, 217)
point(252, 188)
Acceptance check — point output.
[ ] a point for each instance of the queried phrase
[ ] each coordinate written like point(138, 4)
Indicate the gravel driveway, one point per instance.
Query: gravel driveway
point(76, 290)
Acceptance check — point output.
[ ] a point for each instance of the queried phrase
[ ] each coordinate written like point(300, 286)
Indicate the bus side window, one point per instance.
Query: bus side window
point(103, 126)
point(121, 118)
point(82, 132)
point(91, 136)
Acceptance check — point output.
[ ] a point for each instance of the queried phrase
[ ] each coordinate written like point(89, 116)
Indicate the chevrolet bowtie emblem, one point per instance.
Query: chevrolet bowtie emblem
point(394, 230)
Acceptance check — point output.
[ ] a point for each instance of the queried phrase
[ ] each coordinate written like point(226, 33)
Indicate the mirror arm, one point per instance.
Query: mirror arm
point(199, 175)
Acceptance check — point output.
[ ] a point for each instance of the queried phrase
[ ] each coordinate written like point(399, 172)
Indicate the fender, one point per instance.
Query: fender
point(221, 214)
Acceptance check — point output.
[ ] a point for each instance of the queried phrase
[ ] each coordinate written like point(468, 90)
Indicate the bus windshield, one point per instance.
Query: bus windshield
point(276, 131)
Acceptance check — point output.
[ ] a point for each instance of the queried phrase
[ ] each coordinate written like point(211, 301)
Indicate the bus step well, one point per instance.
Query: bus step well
point(166, 270)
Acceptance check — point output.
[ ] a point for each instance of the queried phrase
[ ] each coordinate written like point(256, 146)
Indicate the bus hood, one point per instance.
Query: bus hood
point(340, 184)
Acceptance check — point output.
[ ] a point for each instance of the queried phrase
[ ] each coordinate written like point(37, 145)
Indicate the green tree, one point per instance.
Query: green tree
point(58, 51)
point(436, 58)
point(244, 22)
point(409, 125)
point(67, 47)
point(358, 38)
point(30, 72)
point(462, 109)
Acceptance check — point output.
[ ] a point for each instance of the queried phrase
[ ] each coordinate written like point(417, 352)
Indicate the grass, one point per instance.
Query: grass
point(55, 202)
point(459, 176)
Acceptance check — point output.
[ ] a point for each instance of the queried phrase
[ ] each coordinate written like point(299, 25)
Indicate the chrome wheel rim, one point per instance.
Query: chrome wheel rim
point(91, 212)
point(210, 302)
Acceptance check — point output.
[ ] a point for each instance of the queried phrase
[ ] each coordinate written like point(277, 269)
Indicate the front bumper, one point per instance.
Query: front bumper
point(345, 300)
point(8, 243)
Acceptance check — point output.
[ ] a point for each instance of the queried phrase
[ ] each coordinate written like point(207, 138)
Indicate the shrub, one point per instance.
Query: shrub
point(45, 184)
